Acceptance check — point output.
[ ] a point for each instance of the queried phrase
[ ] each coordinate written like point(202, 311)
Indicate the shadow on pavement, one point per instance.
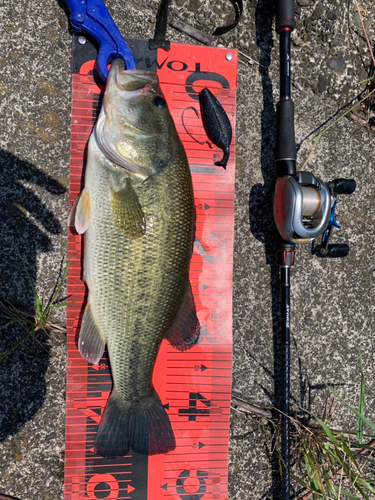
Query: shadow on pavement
point(25, 226)
point(260, 204)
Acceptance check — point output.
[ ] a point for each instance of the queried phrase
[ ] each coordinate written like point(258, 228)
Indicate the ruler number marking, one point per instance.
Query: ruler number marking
point(193, 411)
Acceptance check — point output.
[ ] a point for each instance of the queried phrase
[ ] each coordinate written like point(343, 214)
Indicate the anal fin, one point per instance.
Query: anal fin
point(184, 332)
point(91, 342)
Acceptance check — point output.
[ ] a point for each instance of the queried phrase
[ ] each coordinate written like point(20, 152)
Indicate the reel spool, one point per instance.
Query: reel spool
point(304, 209)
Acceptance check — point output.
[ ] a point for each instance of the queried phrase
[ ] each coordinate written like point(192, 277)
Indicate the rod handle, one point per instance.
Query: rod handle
point(284, 15)
point(285, 150)
point(344, 186)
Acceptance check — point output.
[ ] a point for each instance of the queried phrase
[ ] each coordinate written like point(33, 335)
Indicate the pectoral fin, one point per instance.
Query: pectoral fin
point(79, 216)
point(184, 332)
point(91, 342)
point(127, 212)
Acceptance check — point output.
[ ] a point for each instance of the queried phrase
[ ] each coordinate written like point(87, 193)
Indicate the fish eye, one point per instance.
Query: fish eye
point(160, 102)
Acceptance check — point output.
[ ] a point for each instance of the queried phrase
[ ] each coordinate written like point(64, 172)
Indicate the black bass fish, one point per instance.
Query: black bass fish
point(137, 213)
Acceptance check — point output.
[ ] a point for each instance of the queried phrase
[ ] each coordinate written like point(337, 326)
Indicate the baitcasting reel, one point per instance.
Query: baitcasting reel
point(304, 208)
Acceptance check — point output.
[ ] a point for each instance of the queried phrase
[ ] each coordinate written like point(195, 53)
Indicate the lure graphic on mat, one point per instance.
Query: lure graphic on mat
point(216, 123)
point(137, 213)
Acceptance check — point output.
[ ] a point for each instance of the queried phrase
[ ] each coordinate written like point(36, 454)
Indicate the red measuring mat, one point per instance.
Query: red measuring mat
point(194, 386)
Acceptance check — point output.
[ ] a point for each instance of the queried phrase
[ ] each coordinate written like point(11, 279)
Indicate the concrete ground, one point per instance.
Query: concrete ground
point(332, 300)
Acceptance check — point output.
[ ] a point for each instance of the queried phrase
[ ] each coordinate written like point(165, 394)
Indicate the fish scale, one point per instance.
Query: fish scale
point(141, 264)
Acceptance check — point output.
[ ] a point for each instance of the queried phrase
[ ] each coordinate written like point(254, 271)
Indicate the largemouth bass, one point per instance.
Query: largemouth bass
point(137, 213)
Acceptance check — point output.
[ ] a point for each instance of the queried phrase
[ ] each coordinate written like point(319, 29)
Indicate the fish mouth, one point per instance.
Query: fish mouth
point(131, 84)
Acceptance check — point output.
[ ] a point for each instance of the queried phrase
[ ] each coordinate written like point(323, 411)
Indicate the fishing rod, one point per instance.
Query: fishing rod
point(303, 208)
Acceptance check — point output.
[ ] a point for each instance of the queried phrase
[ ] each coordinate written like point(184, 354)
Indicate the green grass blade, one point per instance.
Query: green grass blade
point(328, 432)
point(366, 421)
point(308, 468)
point(36, 298)
point(6, 317)
point(367, 80)
point(38, 304)
point(350, 454)
point(353, 477)
point(10, 322)
point(65, 304)
point(56, 294)
point(347, 493)
point(4, 354)
point(324, 452)
point(28, 275)
point(356, 486)
point(328, 482)
point(299, 481)
point(361, 404)
point(316, 482)
point(366, 458)
point(340, 459)
point(305, 485)
point(364, 484)
point(312, 462)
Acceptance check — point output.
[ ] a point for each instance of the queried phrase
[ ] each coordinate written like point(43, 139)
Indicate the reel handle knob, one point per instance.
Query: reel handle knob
point(335, 250)
point(344, 186)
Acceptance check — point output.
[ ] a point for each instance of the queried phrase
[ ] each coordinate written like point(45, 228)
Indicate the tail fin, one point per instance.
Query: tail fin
point(224, 161)
point(142, 426)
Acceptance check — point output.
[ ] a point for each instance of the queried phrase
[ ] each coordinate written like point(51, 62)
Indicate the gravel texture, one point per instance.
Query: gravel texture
point(332, 300)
